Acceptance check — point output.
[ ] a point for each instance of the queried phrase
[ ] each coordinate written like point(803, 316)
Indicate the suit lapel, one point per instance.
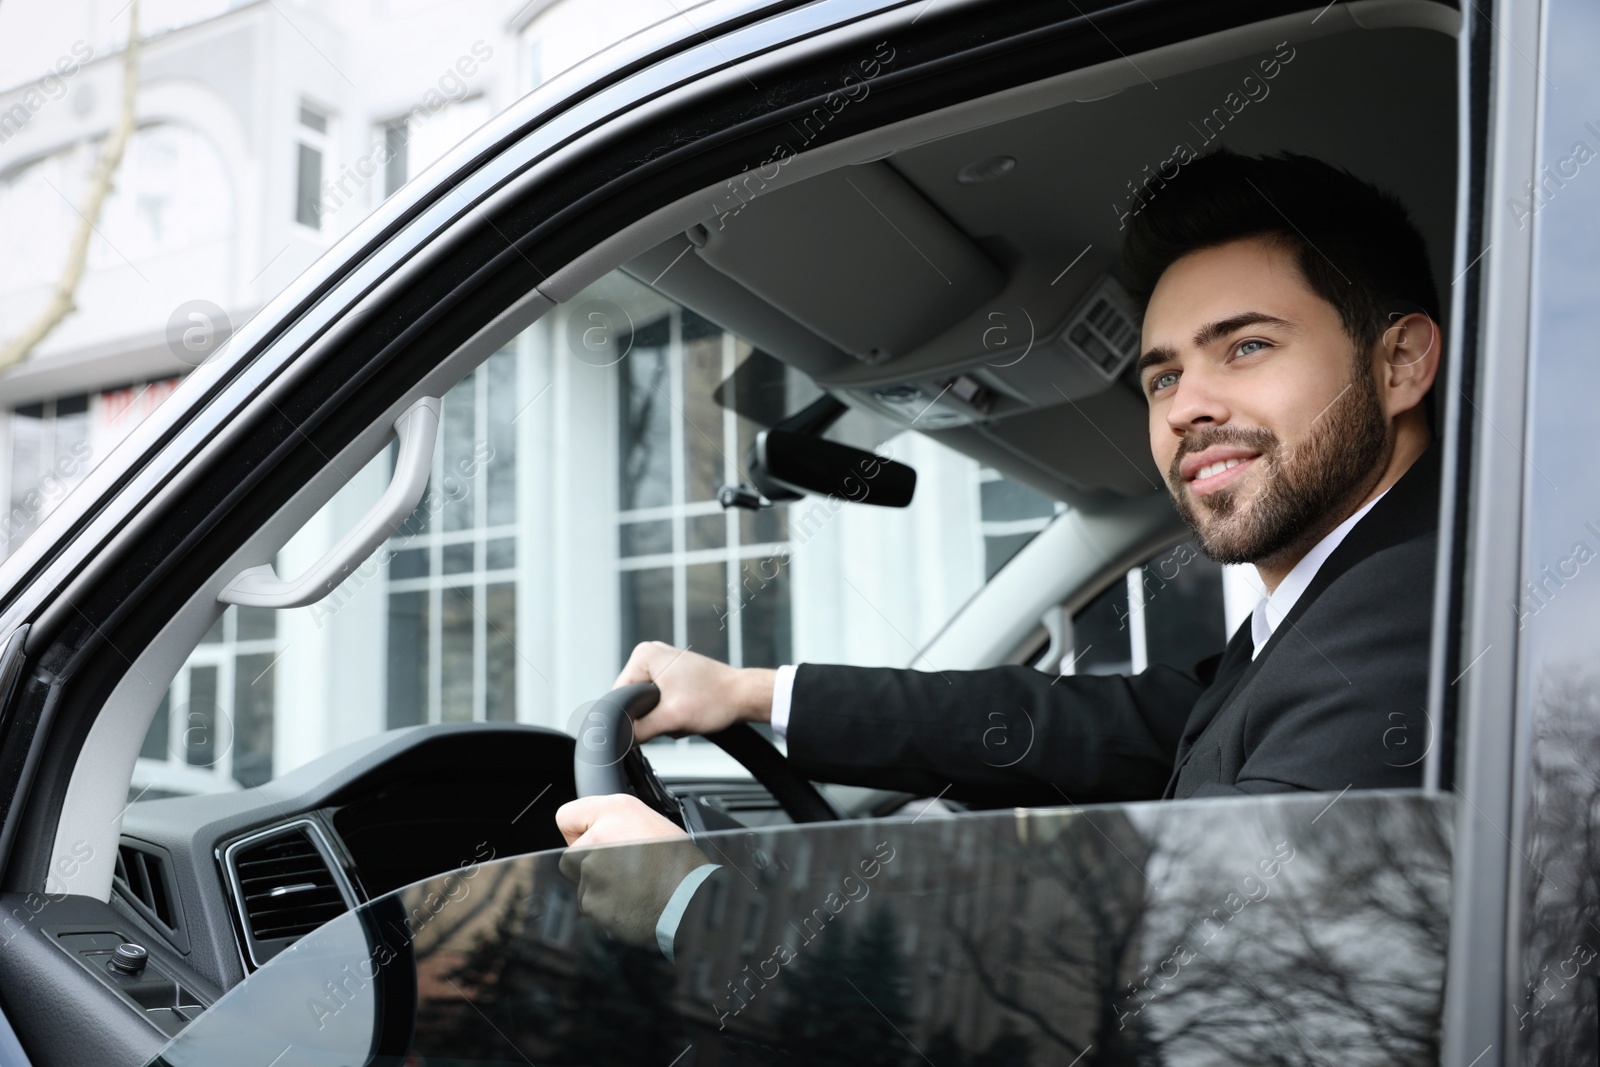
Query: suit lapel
point(1235, 663)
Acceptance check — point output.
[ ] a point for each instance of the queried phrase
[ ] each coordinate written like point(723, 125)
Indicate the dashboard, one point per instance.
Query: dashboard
point(225, 881)
point(212, 887)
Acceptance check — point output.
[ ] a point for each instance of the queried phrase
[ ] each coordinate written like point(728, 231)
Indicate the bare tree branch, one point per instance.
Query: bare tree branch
point(101, 182)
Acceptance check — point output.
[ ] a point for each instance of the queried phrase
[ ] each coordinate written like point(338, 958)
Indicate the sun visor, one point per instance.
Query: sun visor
point(856, 255)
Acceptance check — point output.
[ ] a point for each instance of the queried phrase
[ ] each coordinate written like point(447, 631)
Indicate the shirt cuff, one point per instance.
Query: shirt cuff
point(782, 698)
point(677, 904)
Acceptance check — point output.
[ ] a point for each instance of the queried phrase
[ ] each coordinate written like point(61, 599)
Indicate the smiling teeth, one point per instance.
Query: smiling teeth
point(1216, 468)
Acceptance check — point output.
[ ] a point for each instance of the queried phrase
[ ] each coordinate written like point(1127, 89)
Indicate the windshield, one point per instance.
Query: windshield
point(573, 512)
point(1282, 929)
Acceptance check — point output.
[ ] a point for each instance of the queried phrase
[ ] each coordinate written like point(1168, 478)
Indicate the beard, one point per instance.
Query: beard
point(1293, 488)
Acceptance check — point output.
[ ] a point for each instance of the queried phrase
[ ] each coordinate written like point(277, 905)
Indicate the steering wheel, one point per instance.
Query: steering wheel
point(607, 760)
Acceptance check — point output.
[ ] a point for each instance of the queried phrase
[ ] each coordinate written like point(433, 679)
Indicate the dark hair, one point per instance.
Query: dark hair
point(1355, 244)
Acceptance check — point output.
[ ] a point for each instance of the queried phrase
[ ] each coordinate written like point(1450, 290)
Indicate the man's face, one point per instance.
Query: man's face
point(1261, 415)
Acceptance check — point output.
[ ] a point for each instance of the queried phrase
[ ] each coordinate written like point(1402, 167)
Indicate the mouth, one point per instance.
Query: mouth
point(1216, 468)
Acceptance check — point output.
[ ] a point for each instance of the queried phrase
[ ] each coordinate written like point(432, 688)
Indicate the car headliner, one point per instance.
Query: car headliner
point(1380, 103)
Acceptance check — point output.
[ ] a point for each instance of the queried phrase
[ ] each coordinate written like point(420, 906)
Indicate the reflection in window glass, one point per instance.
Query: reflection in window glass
point(1046, 943)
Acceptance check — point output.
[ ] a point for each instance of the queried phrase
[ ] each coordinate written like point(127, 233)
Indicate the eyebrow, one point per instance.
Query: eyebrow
point(1155, 357)
point(1210, 333)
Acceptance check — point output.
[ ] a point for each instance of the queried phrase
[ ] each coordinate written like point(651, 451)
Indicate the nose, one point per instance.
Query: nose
point(1196, 402)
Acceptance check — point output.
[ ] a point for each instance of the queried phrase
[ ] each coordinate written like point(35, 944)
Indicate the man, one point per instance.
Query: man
point(1290, 343)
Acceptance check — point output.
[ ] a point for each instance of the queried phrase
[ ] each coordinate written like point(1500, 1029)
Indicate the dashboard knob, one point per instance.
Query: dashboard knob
point(129, 959)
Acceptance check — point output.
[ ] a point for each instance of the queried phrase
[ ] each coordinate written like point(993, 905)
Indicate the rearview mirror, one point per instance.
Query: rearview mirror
point(786, 465)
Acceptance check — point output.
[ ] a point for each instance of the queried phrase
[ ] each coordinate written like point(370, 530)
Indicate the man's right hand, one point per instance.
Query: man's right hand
point(699, 695)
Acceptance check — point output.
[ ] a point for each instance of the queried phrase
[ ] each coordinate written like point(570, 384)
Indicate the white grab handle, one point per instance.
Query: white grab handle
point(260, 587)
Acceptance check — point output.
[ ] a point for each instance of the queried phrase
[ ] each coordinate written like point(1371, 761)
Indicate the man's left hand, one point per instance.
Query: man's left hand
point(623, 890)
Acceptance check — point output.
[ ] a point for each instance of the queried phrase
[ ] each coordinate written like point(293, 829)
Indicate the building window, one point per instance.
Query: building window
point(533, 66)
point(54, 443)
point(214, 726)
point(311, 161)
point(419, 138)
point(172, 194)
point(1012, 515)
point(50, 453)
point(1169, 609)
point(693, 574)
point(396, 140)
point(452, 566)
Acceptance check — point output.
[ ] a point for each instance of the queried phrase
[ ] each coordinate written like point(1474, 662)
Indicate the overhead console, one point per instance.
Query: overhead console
point(854, 278)
point(918, 320)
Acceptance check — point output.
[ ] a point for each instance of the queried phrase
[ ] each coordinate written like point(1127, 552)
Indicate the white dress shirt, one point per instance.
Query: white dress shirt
point(1273, 608)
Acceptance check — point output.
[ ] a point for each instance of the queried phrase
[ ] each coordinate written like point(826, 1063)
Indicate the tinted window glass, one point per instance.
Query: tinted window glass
point(1173, 934)
point(1554, 995)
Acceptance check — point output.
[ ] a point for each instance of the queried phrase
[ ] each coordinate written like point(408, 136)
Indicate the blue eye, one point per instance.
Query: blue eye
point(1240, 348)
point(1165, 379)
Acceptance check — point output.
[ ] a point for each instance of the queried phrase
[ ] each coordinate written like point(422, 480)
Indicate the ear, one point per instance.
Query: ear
point(1408, 354)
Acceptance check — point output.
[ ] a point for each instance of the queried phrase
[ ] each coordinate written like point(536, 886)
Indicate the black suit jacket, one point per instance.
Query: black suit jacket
point(1335, 699)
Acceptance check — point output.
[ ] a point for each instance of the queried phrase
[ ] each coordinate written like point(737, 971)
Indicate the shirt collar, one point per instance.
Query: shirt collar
point(1271, 610)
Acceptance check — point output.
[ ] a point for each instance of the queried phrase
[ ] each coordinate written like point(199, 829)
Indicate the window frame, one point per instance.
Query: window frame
point(1475, 648)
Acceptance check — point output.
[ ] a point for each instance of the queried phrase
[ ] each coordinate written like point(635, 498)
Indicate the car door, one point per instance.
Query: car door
point(527, 213)
point(1528, 847)
point(1195, 932)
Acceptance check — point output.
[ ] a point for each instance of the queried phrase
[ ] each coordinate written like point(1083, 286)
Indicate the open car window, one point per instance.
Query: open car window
point(573, 512)
point(1195, 933)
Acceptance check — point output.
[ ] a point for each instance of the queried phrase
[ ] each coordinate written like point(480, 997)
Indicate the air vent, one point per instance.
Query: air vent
point(285, 886)
point(1103, 331)
point(143, 878)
